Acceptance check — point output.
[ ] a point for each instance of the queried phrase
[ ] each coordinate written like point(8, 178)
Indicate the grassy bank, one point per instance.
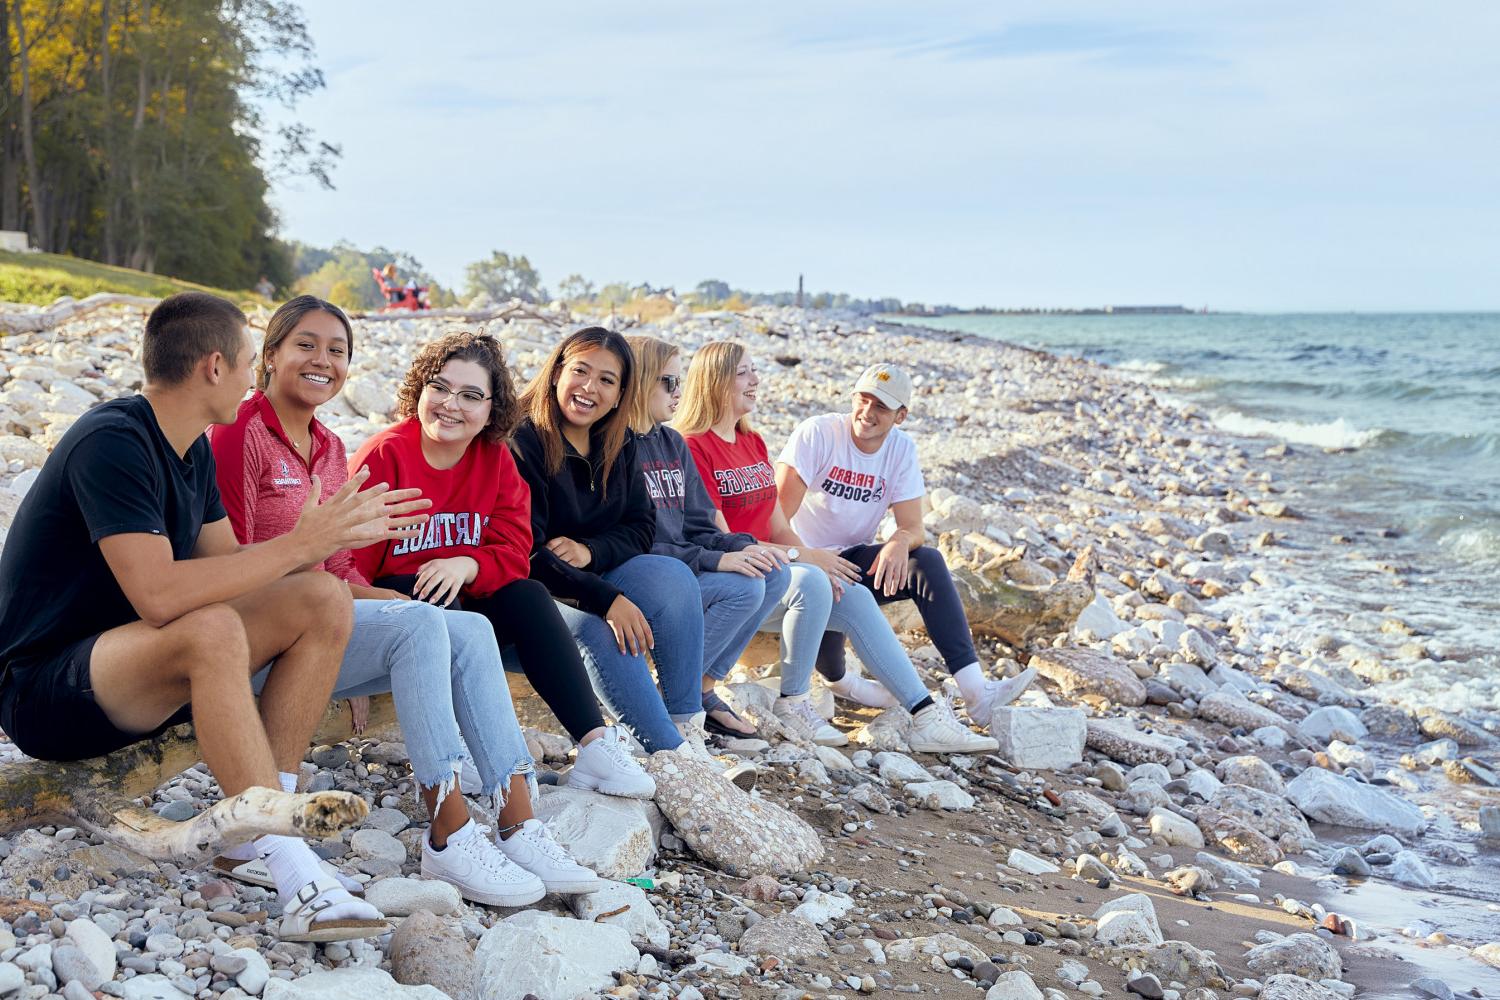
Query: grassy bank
point(39, 278)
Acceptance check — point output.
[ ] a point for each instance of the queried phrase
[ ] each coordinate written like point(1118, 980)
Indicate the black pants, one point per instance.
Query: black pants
point(523, 615)
point(931, 588)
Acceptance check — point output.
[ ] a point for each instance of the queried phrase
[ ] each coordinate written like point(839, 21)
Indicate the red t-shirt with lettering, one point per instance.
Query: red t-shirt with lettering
point(739, 478)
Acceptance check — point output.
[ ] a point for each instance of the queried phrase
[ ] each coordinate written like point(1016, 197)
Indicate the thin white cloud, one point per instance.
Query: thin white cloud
point(1276, 156)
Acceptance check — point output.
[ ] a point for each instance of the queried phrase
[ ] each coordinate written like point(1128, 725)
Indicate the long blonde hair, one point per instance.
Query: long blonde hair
point(651, 357)
point(705, 393)
point(539, 401)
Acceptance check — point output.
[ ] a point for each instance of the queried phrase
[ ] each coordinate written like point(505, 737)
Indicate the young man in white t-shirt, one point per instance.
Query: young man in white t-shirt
point(836, 477)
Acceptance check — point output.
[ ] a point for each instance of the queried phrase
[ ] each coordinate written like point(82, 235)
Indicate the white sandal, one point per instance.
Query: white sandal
point(257, 872)
point(299, 920)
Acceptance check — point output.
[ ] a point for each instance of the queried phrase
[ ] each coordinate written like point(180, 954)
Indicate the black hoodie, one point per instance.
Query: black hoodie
point(615, 526)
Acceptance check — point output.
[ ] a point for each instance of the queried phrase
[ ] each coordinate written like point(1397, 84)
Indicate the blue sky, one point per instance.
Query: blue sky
point(1274, 156)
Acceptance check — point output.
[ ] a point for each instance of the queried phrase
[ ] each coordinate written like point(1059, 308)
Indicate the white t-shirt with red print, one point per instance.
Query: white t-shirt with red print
point(848, 491)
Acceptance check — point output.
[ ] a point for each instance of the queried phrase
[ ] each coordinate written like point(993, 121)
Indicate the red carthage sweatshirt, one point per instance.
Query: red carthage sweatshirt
point(481, 508)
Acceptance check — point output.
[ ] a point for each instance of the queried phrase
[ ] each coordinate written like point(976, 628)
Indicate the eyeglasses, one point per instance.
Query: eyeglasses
point(671, 383)
point(467, 399)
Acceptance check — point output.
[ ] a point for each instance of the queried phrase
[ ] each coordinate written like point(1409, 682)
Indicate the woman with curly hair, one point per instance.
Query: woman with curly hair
point(442, 667)
point(592, 525)
point(458, 404)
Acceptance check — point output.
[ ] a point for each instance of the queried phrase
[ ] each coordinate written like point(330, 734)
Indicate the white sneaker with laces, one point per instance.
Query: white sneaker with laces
point(606, 765)
point(799, 715)
point(935, 729)
point(693, 736)
point(533, 848)
point(474, 865)
point(998, 694)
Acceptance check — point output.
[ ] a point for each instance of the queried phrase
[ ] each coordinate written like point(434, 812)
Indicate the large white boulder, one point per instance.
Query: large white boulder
point(1328, 798)
point(354, 981)
point(614, 836)
point(1128, 920)
point(1046, 739)
point(533, 952)
point(1333, 722)
point(620, 904)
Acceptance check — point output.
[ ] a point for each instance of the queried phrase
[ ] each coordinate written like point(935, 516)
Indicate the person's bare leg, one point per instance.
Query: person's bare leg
point(448, 818)
point(517, 807)
point(303, 622)
point(141, 675)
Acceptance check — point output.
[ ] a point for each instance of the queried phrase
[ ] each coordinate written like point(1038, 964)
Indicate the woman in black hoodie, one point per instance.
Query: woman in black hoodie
point(592, 525)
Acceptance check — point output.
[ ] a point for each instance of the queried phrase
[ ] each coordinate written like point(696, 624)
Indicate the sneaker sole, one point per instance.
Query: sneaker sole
point(591, 784)
point(578, 888)
point(984, 746)
point(509, 900)
point(832, 741)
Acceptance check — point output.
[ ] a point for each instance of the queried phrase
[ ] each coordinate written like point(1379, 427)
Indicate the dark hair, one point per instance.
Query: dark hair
point(540, 398)
point(184, 329)
point(482, 349)
point(284, 322)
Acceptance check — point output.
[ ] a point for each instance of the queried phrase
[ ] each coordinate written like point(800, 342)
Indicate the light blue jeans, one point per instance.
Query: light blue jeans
point(443, 671)
point(734, 605)
point(666, 591)
point(808, 610)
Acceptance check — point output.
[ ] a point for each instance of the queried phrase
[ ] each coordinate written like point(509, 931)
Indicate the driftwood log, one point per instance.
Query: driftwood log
point(65, 309)
point(96, 794)
point(506, 312)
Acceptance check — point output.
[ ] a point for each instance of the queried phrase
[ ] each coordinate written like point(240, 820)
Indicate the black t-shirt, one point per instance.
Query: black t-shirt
point(113, 473)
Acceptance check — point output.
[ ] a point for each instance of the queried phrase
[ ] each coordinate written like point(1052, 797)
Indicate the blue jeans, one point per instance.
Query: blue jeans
point(733, 608)
point(808, 610)
point(665, 590)
point(443, 671)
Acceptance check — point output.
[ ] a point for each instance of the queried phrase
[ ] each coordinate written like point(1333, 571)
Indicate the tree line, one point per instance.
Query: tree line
point(131, 131)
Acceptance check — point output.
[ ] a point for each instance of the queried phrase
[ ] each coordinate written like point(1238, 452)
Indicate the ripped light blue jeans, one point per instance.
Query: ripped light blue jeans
point(808, 610)
point(443, 670)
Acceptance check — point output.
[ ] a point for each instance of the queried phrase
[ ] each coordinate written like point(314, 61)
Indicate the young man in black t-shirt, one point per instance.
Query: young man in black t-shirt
point(127, 605)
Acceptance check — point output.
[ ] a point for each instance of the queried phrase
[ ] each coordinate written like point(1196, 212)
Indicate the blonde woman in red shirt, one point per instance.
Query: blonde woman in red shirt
point(714, 418)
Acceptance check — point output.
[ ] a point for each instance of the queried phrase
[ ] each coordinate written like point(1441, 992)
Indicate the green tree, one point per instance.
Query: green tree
point(502, 277)
point(574, 288)
point(712, 291)
point(129, 131)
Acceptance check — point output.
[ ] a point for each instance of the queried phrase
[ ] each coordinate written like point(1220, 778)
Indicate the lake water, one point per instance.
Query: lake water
point(1394, 426)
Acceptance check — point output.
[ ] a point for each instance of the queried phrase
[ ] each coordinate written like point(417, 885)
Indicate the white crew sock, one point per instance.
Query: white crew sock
point(852, 687)
point(971, 682)
point(247, 850)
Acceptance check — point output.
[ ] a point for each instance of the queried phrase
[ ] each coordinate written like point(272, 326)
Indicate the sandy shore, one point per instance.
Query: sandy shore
point(1039, 459)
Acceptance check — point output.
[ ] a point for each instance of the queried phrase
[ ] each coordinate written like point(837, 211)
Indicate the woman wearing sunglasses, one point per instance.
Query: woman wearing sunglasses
point(740, 581)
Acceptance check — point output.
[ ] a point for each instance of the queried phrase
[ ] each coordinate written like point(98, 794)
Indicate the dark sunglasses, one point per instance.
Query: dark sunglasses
point(672, 383)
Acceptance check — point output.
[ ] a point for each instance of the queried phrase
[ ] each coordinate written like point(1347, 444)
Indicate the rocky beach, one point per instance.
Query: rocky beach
point(1211, 792)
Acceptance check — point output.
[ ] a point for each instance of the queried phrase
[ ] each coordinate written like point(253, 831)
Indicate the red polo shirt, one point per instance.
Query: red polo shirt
point(264, 482)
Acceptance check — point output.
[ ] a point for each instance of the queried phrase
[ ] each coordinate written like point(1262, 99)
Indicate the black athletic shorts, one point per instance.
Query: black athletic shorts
point(47, 708)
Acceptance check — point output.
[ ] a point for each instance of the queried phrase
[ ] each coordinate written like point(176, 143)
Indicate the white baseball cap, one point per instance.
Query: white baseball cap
point(887, 383)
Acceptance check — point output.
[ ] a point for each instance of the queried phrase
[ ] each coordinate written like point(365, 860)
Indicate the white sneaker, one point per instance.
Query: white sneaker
point(606, 765)
point(533, 848)
point(469, 781)
point(998, 694)
point(862, 691)
point(935, 729)
point(799, 715)
point(472, 863)
point(693, 736)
